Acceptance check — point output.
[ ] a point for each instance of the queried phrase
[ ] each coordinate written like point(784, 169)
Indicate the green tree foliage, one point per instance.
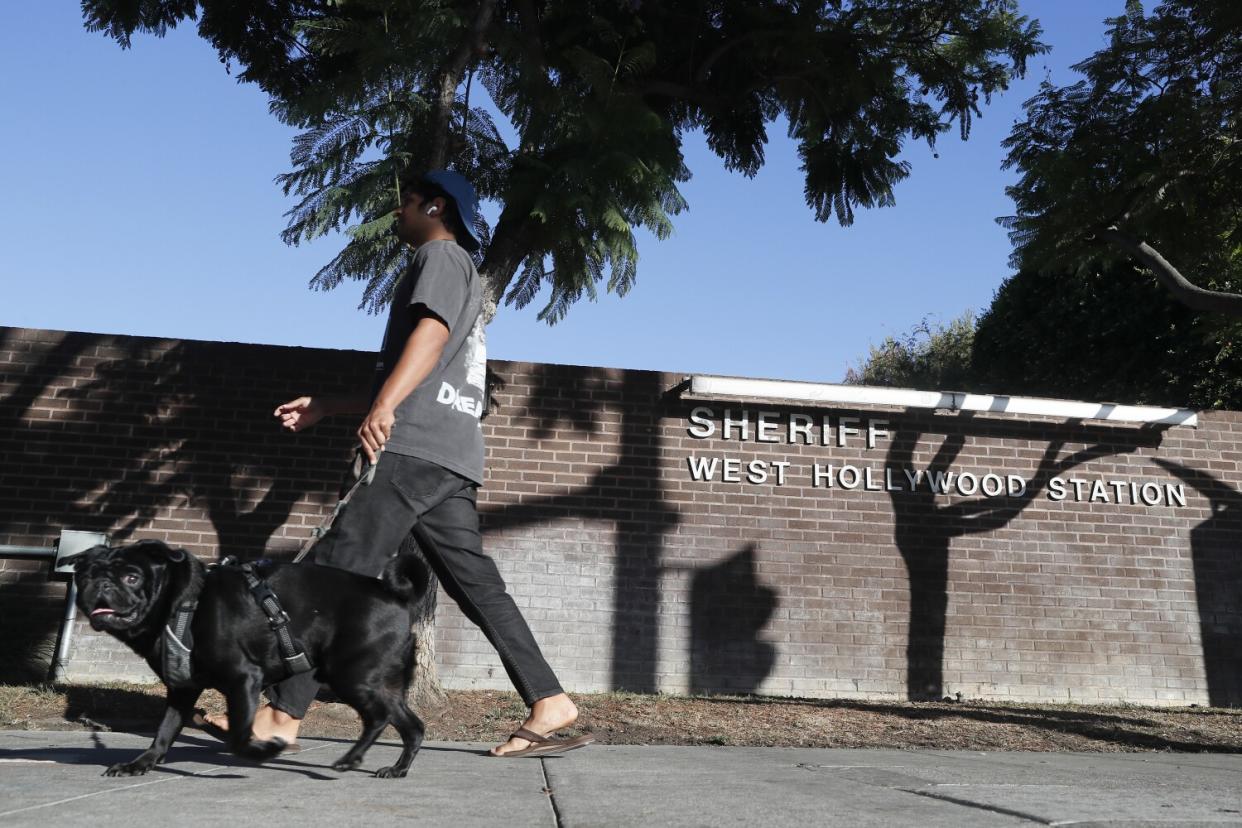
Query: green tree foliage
point(1140, 161)
point(929, 358)
point(601, 94)
point(1102, 335)
point(1099, 335)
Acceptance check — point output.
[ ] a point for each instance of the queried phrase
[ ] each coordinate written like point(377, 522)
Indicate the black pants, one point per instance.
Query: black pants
point(410, 495)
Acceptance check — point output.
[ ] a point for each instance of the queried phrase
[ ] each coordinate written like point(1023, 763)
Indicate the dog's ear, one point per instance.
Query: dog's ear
point(159, 549)
point(81, 560)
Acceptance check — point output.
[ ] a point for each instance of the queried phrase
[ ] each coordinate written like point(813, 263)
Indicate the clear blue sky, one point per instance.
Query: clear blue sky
point(139, 199)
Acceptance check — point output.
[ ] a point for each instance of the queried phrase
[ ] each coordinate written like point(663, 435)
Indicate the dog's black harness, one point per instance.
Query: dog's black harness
point(178, 639)
point(176, 643)
point(295, 660)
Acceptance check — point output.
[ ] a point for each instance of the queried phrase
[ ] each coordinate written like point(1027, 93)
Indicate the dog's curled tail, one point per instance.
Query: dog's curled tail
point(409, 576)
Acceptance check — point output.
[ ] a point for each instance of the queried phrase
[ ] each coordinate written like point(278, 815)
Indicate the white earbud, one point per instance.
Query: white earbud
point(431, 211)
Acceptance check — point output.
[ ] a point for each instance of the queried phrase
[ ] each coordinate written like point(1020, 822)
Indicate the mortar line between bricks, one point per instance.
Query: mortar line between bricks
point(966, 803)
point(547, 789)
point(110, 790)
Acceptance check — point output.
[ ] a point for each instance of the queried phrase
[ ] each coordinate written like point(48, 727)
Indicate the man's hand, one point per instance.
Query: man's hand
point(301, 413)
point(376, 429)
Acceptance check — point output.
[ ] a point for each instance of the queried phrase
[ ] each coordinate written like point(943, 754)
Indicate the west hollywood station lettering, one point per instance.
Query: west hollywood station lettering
point(773, 426)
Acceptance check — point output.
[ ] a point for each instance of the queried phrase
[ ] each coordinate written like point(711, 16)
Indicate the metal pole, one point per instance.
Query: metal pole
point(27, 551)
point(66, 633)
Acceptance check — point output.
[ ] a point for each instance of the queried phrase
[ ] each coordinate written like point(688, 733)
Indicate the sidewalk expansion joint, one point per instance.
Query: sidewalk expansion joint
point(143, 784)
point(966, 803)
point(547, 789)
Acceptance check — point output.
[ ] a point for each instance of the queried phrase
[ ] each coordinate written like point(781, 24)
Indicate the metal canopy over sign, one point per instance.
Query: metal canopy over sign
point(819, 393)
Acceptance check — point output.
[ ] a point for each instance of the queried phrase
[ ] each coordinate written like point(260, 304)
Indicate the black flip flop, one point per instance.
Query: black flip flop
point(544, 745)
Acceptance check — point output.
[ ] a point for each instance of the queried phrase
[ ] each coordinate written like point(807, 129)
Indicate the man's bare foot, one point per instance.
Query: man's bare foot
point(546, 716)
point(268, 722)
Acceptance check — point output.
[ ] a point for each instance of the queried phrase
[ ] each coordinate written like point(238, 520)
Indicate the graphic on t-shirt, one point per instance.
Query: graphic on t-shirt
point(475, 362)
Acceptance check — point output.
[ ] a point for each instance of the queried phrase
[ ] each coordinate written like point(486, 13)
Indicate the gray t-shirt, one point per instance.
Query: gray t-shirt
point(439, 420)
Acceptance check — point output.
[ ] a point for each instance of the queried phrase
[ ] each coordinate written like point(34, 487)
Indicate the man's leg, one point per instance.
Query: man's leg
point(449, 536)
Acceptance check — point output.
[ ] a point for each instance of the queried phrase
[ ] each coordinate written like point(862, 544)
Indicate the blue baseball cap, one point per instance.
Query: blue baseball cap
point(464, 196)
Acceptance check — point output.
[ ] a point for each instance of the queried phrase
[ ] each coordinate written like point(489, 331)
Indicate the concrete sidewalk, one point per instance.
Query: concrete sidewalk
point(53, 778)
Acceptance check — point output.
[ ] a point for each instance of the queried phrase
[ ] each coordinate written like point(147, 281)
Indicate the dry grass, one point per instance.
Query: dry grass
point(622, 718)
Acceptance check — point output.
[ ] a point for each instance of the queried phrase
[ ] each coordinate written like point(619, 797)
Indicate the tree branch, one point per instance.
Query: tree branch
point(534, 72)
point(705, 68)
point(528, 16)
point(682, 92)
point(450, 79)
point(1190, 295)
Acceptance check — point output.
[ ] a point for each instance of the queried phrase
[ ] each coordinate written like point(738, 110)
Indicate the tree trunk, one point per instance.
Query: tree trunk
point(426, 694)
point(504, 255)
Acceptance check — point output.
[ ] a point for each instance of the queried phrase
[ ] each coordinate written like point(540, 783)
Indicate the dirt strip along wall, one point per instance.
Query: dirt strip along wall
point(657, 542)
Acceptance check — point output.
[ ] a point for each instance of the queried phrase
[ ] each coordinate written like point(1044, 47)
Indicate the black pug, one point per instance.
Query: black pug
point(355, 630)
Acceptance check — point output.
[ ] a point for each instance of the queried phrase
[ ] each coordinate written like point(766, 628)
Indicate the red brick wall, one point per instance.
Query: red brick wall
point(636, 576)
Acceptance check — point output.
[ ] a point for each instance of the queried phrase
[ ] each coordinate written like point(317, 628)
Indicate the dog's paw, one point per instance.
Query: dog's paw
point(345, 763)
point(138, 767)
point(260, 751)
point(265, 750)
point(392, 772)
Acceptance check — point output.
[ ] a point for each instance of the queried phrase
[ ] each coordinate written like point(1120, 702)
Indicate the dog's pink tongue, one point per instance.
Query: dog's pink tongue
point(102, 611)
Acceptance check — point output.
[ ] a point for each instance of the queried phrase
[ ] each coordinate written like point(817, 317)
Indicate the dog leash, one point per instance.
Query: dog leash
point(364, 477)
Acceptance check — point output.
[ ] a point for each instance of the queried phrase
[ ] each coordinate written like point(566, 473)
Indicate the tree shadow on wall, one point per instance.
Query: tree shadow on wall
point(628, 493)
point(924, 529)
point(1214, 549)
point(113, 434)
point(162, 425)
point(30, 622)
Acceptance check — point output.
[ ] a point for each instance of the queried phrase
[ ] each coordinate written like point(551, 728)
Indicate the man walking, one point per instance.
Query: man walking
point(421, 429)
